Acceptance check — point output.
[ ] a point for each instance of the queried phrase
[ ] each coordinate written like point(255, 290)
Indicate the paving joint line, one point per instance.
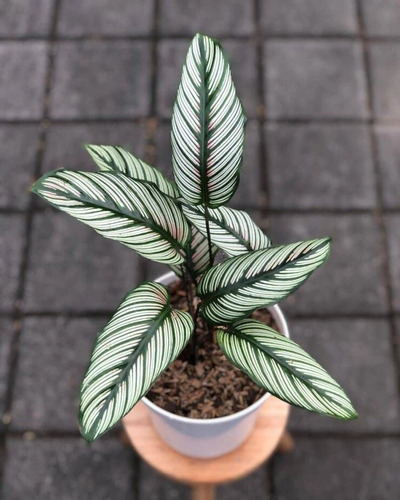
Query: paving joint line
point(327, 120)
point(17, 314)
point(262, 110)
point(98, 37)
point(379, 195)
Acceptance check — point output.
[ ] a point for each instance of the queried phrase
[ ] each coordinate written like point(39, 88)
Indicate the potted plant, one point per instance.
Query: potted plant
point(202, 315)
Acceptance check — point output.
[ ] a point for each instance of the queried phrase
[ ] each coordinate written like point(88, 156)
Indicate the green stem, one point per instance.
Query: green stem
point(207, 218)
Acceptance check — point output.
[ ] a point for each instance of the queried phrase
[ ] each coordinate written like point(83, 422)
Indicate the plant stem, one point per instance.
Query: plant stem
point(207, 217)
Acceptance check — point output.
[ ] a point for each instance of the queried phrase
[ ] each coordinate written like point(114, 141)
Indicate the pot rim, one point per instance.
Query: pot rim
point(284, 330)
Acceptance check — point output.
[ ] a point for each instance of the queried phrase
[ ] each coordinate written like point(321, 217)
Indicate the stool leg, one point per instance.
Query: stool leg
point(203, 492)
point(286, 444)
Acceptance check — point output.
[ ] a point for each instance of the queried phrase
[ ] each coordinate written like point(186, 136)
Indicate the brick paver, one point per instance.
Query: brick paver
point(320, 82)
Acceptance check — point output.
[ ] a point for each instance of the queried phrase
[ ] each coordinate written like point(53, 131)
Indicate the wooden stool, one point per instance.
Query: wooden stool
point(203, 474)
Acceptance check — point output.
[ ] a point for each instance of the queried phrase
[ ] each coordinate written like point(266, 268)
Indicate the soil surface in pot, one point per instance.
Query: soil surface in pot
point(212, 387)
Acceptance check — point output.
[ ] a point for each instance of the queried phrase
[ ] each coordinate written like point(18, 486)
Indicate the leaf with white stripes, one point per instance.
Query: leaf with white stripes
point(239, 285)
point(132, 212)
point(142, 339)
point(117, 159)
point(281, 367)
point(197, 255)
point(208, 125)
point(233, 231)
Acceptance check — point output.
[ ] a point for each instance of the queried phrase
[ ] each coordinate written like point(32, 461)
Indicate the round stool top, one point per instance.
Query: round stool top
point(268, 430)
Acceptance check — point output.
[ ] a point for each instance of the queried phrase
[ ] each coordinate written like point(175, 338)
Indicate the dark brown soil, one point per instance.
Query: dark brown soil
point(212, 387)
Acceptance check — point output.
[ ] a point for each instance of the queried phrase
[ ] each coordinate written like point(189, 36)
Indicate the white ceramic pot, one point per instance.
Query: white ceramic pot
point(212, 437)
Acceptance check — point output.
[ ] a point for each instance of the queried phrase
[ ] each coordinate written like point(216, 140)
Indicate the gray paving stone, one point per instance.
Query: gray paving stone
point(315, 79)
point(385, 70)
point(67, 469)
point(22, 80)
point(65, 143)
point(346, 469)
point(12, 228)
point(72, 268)
point(393, 230)
point(6, 335)
point(242, 57)
point(315, 17)
point(225, 17)
point(18, 148)
point(119, 71)
point(358, 354)
point(249, 192)
point(324, 166)
point(100, 17)
point(25, 17)
point(255, 486)
point(56, 350)
point(153, 486)
point(381, 17)
point(388, 140)
point(351, 282)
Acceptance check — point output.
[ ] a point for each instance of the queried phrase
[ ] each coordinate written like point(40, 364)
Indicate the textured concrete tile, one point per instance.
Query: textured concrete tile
point(351, 282)
point(18, 149)
point(256, 483)
point(316, 17)
point(65, 143)
point(385, 70)
point(393, 230)
point(100, 17)
point(25, 17)
point(67, 469)
point(358, 354)
point(242, 57)
point(153, 486)
point(6, 334)
point(187, 17)
point(71, 267)
point(381, 17)
point(324, 166)
point(119, 71)
point(249, 192)
point(12, 232)
point(53, 356)
point(388, 140)
point(22, 80)
point(315, 79)
point(345, 469)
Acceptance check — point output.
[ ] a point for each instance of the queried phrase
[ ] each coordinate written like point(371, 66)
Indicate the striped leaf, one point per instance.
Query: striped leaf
point(280, 366)
point(143, 337)
point(120, 208)
point(207, 127)
point(238, 286)
point(233, 231)
point(197, 255)
point(117, 159)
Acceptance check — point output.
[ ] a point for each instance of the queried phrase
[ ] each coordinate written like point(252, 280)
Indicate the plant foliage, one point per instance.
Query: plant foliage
point(184, 225)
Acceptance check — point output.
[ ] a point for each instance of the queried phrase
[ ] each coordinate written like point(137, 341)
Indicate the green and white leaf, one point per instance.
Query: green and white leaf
point(233, 231)
point(134, 213)
point(144, 336)
point(197, 255)
point(281, 367)
point(208, 125)
point(239, 285)
point(117, 159)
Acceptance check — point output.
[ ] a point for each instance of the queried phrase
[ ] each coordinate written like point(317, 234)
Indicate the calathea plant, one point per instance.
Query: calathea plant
point(183, 225)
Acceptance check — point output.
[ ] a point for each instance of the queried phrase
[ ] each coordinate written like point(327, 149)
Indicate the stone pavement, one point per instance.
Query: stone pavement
point(320, 81)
